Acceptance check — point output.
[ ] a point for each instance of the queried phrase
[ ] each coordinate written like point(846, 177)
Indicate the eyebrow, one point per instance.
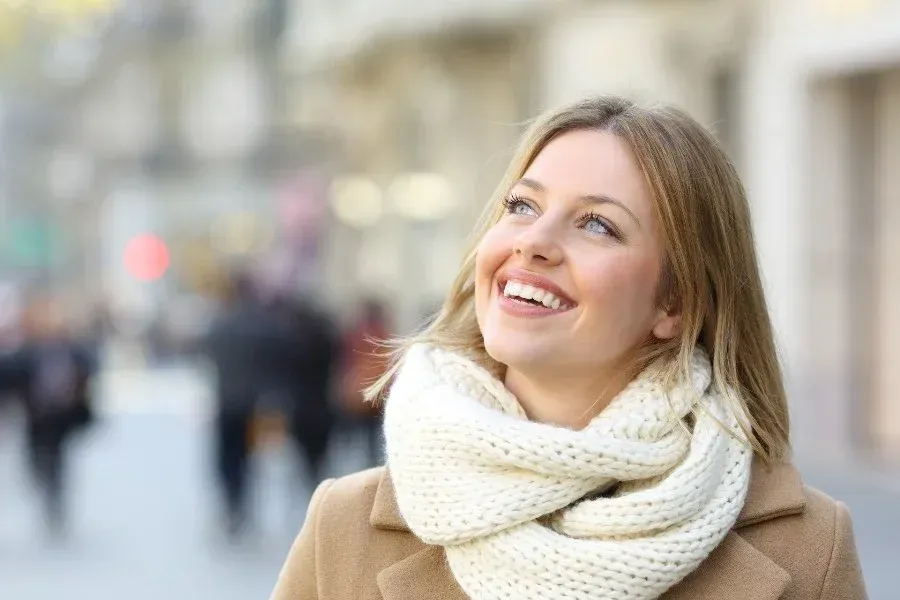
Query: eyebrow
point(587, 198)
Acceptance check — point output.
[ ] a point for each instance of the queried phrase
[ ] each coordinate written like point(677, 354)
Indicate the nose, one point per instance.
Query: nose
point(537, 244)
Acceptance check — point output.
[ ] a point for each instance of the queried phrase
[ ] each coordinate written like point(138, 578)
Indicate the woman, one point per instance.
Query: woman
point(362, 363)
point(598, 412)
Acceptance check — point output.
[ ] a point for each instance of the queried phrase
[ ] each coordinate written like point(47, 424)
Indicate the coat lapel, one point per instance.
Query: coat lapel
point(385, 511)
point(775, 491)
point(734, 571)
point(422, 576)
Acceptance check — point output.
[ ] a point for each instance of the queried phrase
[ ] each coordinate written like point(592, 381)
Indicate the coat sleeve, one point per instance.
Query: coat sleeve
point(843, 579)
point(298, 578)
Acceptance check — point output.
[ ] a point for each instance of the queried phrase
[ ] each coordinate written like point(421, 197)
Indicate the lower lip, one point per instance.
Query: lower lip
point(523, 309)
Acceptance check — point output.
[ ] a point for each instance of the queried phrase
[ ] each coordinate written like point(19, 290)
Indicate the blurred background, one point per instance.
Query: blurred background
point(196, 196)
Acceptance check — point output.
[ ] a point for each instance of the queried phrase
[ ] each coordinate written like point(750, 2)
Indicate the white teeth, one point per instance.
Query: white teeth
point(529, 292)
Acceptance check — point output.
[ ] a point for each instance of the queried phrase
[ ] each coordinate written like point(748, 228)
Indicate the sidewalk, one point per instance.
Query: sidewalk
point(143, 521)
point(184, 390)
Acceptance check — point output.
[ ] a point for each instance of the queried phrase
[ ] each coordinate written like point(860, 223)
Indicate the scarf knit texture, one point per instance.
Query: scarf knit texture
point(623, 509)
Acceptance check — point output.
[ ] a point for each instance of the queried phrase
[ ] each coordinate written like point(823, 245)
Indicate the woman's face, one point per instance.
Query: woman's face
point(566, 281)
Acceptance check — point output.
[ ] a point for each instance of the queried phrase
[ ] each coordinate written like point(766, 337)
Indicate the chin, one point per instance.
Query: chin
point(522, 353)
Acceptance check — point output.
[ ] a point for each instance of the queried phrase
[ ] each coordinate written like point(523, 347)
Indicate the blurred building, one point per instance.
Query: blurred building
point(424, 101)
point(822, 141)
point(129, 121)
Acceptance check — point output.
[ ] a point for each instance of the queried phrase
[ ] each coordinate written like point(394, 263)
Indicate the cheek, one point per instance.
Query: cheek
point(620, 288)
point(493, 251)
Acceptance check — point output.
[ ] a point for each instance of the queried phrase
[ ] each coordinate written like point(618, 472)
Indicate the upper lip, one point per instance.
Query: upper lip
point(536, 280)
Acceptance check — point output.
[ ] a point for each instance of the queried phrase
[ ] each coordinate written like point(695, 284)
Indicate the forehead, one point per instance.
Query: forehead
point(591, 162)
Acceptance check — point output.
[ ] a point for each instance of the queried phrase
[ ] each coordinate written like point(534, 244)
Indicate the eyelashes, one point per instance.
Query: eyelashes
point(607, 227)
point(519, 206)
point(513, 202)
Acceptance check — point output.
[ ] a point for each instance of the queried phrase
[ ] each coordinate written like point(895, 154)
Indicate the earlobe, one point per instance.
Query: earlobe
point(667, 326)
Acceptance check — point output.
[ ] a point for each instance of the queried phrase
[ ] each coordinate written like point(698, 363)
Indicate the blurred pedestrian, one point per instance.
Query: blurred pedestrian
point(50, 373)
point(307, 365)
point(598, 411)
point(245, 344)
point(363, 362)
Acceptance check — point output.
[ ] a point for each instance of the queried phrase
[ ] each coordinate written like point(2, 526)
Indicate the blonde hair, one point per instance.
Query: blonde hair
point(710, 271)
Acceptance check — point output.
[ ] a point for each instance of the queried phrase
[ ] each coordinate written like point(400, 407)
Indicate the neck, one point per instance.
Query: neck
point(564, 400)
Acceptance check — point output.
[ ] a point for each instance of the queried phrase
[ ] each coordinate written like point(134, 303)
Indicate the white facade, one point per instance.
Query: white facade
point(324, 31)
point(820, 142)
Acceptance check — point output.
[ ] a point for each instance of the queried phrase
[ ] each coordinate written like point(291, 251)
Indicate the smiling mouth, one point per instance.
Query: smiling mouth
point(531, 295)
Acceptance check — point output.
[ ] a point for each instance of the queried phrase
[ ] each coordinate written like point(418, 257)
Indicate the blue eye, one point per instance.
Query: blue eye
point(517, 206)
point(523, 209)
point(596, 226)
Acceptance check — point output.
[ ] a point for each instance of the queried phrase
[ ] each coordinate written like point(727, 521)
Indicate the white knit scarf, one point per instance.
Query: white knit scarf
point(518, 505)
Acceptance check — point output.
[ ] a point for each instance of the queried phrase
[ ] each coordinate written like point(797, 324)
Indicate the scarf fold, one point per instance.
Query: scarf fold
point(515, 503)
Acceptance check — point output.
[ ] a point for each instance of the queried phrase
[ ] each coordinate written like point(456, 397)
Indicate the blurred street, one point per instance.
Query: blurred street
point(142, 527)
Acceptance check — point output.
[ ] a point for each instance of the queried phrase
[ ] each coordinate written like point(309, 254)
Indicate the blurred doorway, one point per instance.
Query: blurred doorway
point(854, 261)
point(886, 409)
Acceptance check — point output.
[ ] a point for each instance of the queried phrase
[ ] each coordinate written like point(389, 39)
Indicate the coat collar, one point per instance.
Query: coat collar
point(774, 492)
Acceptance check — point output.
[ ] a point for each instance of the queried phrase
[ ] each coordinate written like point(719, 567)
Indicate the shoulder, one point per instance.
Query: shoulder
point(364, 505)
point(822, 511)
point(334, 521)
point(351, 497)
point(346, 540)
point(815, 546)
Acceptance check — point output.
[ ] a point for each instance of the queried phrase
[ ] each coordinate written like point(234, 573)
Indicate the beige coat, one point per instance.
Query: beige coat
point(790, 542)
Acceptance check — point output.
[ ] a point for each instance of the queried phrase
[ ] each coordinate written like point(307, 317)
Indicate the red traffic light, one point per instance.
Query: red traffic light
point(146, 257)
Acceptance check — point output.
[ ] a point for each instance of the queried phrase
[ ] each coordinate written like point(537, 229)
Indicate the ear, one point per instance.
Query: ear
point(667, 325)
